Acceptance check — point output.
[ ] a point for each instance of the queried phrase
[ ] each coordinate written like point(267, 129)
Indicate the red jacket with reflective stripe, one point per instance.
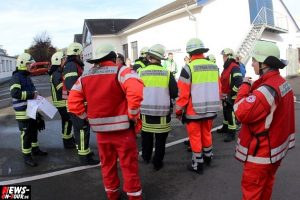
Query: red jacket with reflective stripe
point(113, 95)
point(266, 111)
point(225, 78)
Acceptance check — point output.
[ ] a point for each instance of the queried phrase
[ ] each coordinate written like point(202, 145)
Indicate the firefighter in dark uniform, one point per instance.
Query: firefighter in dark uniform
point(55, 73)
point(22, 89)
point(72, 70)
point(231, 79)
point(142, 61)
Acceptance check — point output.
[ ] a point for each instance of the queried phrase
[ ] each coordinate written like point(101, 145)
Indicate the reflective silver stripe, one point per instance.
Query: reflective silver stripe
point(110, 127)
point(178, 107)
point(82, 116)
point(20, 104)
point(242, 149)
point(154, 73)
point(279, 156)
point(208, 151)
point(269, 118)
point(128, 76)
point(187, 69)
point(111, 190)
point(77, 86)
point(121, 71)
point(240, 156)
point(207, 107)
point(158, 104)
point(268, 95)
point(197, 157)
point(108, 120)
point(236, 105)
point(138, 193)
point(292, 144)
point(205, 68)
point(258, 160)
point(200, 116)
point(283, 146)
point(185, 80)
point(133, 111)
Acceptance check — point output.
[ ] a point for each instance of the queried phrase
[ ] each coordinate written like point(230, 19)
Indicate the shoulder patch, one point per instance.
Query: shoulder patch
point(285, 88)
point(251, 99)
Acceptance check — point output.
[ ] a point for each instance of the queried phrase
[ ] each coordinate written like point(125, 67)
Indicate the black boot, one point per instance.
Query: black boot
point(69, 143)
point(29, 161)
point(230, 136)
point(224, 129)
point(87, 160)
point(157, 166)
point(36, 151)
point(207, 160)
point(187, 142)
point(198, 168)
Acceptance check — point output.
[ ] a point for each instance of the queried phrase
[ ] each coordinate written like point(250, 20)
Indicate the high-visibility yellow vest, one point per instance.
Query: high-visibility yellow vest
point(156, 92)
point(205, 87)
point(141, 64)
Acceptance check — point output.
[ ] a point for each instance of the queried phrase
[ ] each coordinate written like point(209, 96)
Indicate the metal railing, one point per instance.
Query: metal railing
point(271, 19)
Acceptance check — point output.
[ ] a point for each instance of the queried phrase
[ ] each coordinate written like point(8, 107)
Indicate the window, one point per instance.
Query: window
point(10, 65)
point(134, 50)
point(88, 38)
point(7, 67)
point(125, 50)
point(3, 65)
point(256, 5)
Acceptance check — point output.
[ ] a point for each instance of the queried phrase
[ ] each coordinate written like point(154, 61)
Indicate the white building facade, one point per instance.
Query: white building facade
point(219, 24)
point(7, 65)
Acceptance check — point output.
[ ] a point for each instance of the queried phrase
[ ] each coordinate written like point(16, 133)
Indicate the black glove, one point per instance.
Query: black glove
point(40, 123)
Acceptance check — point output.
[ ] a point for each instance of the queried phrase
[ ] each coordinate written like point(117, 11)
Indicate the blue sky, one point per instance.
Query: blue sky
point(21, 20)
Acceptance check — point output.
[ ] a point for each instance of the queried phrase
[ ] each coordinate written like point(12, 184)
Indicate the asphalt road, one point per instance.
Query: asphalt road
point(59, 175)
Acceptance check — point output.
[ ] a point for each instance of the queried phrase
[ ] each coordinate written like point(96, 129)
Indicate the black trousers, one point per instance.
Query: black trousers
point(147, 146)
point(82, 134)
point(66, 123)
point(29, 134)
point(229, 117)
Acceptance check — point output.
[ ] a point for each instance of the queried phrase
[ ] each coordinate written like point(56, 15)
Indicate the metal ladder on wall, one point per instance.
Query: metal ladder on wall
point(266, 18)
point(247, 44)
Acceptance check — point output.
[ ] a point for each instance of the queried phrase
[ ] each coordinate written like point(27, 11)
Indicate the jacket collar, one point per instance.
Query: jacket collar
point(197, 56)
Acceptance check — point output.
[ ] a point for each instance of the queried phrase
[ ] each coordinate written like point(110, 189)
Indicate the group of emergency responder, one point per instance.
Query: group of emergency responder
point(117, 102)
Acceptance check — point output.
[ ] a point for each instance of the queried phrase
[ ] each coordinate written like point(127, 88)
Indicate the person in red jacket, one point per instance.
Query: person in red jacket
point(113, 94)
point(266, 111)
point(197, 107)
point(231, 79)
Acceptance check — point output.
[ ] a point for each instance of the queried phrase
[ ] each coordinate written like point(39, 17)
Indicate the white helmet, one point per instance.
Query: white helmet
point(56, 58)
point(24, 59)
point(157, 51)
point(101, 52)
point(74, 49)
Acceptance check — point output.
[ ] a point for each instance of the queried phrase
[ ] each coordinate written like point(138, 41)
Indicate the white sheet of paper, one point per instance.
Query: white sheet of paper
point(32, 107)
point(47, 108)
point(42, 105)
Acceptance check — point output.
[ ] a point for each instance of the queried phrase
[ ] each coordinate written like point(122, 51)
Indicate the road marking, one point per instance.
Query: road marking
point(75, 169)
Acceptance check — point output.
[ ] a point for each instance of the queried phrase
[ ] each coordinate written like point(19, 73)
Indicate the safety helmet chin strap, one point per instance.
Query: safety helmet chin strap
point(261, 68)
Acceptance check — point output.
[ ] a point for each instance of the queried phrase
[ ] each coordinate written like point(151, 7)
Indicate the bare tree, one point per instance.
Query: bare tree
point(41, 48)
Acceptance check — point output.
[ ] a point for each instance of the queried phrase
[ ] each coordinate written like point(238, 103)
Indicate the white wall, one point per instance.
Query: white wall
point(7, 66)
point(220, 24)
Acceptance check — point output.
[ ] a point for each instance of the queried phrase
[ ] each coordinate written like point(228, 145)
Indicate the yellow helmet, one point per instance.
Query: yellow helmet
point(157, 51)
point(56, 58)
point(24, 59)
point(74, 49)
